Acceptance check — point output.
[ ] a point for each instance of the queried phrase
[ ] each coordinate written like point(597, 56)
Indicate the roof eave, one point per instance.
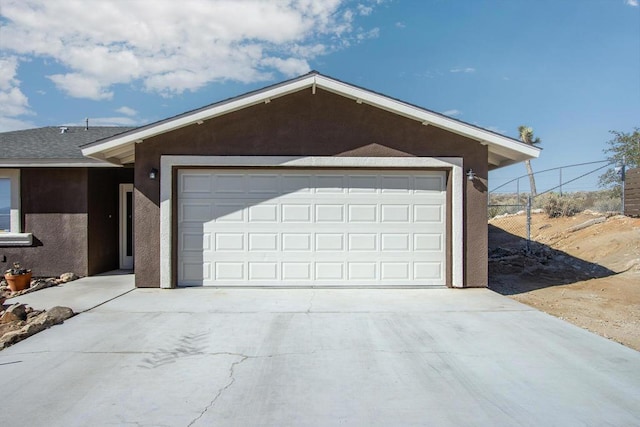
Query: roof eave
point(513, 150)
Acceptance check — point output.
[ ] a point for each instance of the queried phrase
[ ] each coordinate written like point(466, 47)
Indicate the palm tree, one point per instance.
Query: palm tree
point(526, 136)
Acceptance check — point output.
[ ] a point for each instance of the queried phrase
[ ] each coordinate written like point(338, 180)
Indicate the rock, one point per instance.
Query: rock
point(14, 313)
point(38, 284)
point(57, 315)
point(37, 321)
point(68, 277)
point(587, 224)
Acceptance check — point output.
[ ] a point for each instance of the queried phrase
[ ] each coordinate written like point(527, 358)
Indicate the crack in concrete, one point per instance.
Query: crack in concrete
point(222, 390)
point(313, 295)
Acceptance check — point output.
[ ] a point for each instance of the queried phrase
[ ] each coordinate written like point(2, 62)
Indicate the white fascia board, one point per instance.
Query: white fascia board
point(214, 111)
point(168, 162)
point(494, 141)
point(423, 116)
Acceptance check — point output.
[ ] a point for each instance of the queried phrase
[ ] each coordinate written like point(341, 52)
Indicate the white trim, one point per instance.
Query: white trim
point(14, 237)
point(512, 149)
point(194, 118)
point(126, 262)
point(167, 163)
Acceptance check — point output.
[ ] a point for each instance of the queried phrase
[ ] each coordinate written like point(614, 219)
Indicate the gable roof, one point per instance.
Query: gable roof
point(503, 150)
point(49, 146)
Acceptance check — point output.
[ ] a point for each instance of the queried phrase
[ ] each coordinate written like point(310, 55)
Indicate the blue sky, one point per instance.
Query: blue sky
point(568, 68)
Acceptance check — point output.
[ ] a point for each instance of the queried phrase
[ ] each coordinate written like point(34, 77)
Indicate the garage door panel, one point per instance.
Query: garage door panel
point(395, 271)
point(297, 271)
point(230, 183)
point(395, 213)
point(396, 184)
point(228, 212)
point(296, 213)
point(362, 271)
point(334, 184)
point(395, 242)
point(263, 241)
point(329, 242)
point(362, 213)
point(298, 228)
point(296, 242)
point(329, 271)
point(229, 271)
point(329, 213)
point(195, 212)
point(428, 213)
point(263, 213)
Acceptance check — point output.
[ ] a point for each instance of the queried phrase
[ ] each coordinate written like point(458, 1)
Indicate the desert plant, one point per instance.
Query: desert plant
point(17, 270)
point(556, 206)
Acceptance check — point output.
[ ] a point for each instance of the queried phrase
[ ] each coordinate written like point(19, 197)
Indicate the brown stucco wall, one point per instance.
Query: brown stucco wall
point(104, 217)
point(73, 216)
point(302, 124)
point(54, 210)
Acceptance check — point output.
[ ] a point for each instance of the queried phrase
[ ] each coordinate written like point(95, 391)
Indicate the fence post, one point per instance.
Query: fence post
point(560, 182)
point(528, 241)
point(622, 177)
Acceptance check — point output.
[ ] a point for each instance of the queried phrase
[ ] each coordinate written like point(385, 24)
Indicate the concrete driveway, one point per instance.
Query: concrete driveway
point(245, 357)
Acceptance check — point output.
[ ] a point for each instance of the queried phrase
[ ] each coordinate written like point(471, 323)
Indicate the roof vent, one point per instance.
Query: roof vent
point(63, 129)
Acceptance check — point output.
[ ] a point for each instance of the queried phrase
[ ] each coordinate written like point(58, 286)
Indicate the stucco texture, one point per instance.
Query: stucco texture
point(306, 124)
point(72, 214)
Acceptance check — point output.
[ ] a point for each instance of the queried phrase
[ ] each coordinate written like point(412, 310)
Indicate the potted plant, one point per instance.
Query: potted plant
point(17, 278)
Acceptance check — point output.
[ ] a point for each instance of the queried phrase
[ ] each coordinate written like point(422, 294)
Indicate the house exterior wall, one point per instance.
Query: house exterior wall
point(104, 217)
point(67, 210)
point(54, 210)
point(304, 124)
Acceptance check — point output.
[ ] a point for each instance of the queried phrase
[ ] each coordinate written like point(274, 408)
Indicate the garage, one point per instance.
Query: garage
point(310, 182)
point(311, 227)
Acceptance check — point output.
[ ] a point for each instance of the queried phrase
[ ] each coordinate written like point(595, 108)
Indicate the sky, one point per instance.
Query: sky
point(570, 69)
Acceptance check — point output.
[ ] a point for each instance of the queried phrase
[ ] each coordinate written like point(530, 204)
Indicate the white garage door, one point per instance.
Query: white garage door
point(311, 228)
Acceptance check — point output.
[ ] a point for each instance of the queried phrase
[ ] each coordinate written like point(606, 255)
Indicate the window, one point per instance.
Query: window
point(5, 205)
point(10, 227)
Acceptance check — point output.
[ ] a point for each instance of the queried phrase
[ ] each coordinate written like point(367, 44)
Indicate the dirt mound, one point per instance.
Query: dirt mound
point(584, 269)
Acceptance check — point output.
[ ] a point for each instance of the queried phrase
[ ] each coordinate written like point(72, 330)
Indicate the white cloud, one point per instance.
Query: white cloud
point(13, 103)
point(400, 25)
point(9, 123)
point(174, 47)
point(79, 85)
point(127, 111)
point(462, 70)
point(452, 113)
point(633, 3)
point(364, 10)
point(371, 34)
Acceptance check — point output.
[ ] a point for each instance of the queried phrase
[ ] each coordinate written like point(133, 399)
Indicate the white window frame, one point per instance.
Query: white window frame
point(14, 237)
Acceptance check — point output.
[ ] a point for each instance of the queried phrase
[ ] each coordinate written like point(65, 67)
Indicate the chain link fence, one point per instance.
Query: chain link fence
point(514, 210)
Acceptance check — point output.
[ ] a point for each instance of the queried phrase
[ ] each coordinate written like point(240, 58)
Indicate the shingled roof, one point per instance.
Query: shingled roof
point(50, 144)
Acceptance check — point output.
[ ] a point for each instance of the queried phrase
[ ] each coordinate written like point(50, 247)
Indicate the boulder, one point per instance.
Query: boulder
point(59, 314)
point(14, 313)
point(37, 321)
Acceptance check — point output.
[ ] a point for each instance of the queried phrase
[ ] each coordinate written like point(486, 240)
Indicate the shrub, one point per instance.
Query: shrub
point(556, 206)
point(608, 205)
